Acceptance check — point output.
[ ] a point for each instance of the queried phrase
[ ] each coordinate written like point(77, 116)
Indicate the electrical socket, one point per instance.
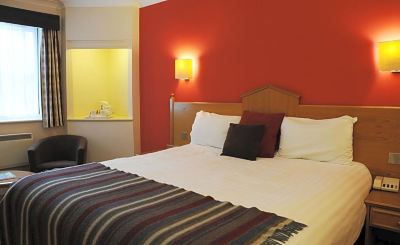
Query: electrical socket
point(394, 158)
point(184, 136)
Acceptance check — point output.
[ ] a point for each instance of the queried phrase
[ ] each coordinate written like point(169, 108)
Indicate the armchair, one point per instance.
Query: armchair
point(57, 152)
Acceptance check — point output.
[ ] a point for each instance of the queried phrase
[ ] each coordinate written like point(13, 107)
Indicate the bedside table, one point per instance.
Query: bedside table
point(5, 184)
point(383, 212)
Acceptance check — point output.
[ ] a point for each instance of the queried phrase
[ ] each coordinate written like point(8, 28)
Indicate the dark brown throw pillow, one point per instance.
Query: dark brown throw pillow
point(243, 141)
point(272, 123)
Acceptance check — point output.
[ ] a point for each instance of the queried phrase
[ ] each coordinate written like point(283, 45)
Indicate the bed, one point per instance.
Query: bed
point(325, 200)
point(329, 198)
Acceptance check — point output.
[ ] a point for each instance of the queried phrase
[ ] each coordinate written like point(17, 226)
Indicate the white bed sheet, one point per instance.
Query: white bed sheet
point(327, 197)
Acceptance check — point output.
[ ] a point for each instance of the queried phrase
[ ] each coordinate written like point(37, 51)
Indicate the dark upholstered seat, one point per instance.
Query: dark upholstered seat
point(57, 152)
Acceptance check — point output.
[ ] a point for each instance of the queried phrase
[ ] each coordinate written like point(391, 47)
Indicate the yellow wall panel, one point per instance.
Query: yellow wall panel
point(95, 75)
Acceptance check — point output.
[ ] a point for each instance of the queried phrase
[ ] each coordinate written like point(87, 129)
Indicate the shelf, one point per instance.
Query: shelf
point(112, 119)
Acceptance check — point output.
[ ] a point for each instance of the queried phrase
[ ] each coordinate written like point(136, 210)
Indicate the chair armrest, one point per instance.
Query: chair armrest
point(81, 152)
point(34, 155)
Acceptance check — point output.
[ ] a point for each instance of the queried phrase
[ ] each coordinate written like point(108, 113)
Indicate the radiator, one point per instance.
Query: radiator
point(13, 149)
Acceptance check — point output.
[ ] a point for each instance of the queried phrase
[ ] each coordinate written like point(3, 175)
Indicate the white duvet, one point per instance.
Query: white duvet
point(327, 197)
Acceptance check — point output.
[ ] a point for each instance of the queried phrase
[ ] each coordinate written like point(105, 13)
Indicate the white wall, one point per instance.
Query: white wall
point(106, 139)
point(44, 6)
point(106, 27)
point(99, 23)
point(14, 154)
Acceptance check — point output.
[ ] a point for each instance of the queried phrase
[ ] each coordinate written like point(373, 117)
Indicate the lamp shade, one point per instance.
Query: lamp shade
point(389, 56)
point(183, 69)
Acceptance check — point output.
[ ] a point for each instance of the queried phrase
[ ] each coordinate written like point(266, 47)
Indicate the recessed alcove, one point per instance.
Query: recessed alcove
point(95, 75)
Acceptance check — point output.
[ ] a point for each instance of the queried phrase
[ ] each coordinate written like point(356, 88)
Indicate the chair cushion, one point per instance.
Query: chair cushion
point(55, 164)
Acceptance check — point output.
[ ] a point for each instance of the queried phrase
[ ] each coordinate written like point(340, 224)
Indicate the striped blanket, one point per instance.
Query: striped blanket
point(93, 204)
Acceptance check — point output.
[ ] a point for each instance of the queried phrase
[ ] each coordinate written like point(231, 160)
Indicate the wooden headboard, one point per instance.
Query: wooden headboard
point(376, 133)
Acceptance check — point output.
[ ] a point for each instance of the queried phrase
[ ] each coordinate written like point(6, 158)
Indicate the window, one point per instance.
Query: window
point(19, 72)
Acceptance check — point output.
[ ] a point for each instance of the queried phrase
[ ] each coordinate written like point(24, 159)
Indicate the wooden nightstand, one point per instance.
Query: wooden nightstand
point(383, 212)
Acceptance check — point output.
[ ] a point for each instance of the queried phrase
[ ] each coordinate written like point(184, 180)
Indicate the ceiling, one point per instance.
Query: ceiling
point(108, 3)
point(144, 3)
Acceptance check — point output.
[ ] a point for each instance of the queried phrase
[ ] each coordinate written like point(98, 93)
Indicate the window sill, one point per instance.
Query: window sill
point(20, 121)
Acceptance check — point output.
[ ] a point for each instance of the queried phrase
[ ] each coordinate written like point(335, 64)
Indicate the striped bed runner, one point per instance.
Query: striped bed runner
point(93, 204)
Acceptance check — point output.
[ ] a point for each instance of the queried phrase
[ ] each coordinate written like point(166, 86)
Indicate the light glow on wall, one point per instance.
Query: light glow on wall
point(192, 54)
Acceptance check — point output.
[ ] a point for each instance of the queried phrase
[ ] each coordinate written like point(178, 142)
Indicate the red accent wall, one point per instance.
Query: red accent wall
point(322, 50)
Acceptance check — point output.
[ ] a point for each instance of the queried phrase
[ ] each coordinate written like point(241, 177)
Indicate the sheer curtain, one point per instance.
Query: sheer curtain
point(19, 72)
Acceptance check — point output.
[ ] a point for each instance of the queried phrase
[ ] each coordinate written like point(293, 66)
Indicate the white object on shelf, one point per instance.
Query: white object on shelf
point(104, 112)
point(105, 109)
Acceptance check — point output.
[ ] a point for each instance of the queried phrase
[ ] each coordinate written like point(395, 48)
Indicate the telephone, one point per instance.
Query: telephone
point(386, 184)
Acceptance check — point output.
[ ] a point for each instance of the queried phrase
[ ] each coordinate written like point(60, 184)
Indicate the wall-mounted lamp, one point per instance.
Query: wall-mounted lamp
point(183, 69)
point(389, 56)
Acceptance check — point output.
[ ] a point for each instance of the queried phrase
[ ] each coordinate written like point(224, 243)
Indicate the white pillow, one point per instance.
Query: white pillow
point(328, 140)
point(210, 129)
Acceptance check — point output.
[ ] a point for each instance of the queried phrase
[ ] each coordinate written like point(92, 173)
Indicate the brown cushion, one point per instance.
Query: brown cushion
point(243, 141)
point(272, 124)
